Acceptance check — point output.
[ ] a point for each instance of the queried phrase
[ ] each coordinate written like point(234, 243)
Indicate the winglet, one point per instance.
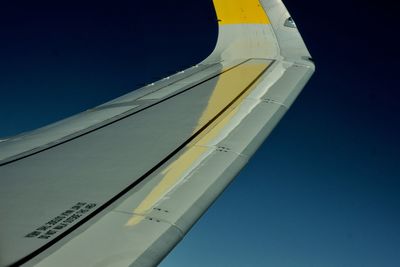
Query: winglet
point(257, 29)
point(240, 12)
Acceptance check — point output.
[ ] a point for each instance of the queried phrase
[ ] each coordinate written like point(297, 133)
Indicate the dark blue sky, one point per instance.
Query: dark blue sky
point(323, 190)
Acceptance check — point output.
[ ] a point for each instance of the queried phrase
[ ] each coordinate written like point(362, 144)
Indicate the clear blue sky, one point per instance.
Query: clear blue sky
point(324, 189)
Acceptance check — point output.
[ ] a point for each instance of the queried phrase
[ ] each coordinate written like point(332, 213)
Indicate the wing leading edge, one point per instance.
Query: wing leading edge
point(124, 182)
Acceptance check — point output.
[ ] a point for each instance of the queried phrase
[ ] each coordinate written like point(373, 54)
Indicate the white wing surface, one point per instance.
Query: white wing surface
point(122, 183)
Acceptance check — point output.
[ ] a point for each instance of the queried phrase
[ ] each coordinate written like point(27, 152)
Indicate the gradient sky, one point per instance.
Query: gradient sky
point(323, 190)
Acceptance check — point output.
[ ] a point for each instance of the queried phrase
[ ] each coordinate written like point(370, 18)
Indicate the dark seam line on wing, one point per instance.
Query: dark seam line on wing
point(106, 122)
point(119, 119)
point(141, 179)
point(158, 89)
point(181, 79)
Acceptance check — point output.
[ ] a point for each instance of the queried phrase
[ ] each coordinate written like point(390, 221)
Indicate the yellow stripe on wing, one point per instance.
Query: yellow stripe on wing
point(230, 85)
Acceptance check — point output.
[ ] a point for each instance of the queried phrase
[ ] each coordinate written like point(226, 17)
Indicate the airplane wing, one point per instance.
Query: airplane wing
point(122, 183)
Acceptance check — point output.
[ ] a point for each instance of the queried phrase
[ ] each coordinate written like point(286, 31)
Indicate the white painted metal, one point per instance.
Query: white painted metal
point(143, 225)
point(197, 188)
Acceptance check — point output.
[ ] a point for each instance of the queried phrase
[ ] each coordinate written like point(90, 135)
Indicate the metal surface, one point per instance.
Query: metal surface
point(99, 165)
point(121, 184)
point(31, 142)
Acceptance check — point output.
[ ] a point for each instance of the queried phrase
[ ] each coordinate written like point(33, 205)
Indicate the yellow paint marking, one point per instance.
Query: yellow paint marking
point(229, 86)
point(242, 81)
point(172, 174)
point(240, 12)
